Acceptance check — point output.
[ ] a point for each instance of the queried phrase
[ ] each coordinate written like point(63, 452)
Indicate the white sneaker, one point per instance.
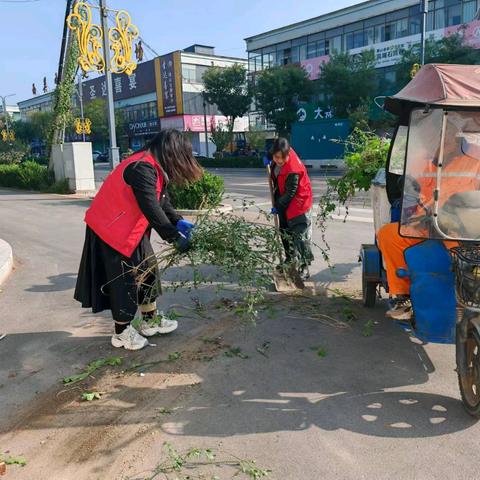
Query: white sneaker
point(129, 339)
point(159, 325)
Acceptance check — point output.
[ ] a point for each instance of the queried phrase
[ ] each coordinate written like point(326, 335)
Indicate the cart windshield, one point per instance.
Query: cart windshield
point(397, 156)
point(441, 195)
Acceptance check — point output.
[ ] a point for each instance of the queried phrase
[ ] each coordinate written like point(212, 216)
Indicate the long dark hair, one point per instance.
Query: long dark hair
point(173, 151)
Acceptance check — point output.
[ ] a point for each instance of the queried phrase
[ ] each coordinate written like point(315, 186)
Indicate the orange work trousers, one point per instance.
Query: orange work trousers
point(393, 246)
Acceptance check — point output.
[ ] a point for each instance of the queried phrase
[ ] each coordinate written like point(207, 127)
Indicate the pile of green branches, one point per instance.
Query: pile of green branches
point(244, 254)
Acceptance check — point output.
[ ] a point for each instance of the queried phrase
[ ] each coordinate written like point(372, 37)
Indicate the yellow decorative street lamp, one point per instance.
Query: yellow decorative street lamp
point(92, 38)
point(415, 69)
point(121, 37)
point(82, 126)
point(89, 38)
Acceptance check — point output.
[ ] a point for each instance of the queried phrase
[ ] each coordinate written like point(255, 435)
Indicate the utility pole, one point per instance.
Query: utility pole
point(114, 150)
point(5, 113)
point(80, 99)
point(205, 124)
point(424, 13)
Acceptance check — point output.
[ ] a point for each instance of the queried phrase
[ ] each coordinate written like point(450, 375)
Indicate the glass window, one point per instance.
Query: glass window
point(295, 55)
point(370, 36)
point(401, 28)
point(430, 21)
point(440, 18)
point(380, 33)
point(454, 16)
point(188, 72)
point(469, 11)
point(268, 59)
point(414, 25)
point(312, 50)
point(333, 45)
point(303, 52)
point(359, 39)
point(320, 48)
point(349, 41)
point(390, 31)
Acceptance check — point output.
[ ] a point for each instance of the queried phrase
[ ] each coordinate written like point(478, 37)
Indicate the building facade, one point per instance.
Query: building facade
point(385, 26)
point(12, 110)
point(165, 92)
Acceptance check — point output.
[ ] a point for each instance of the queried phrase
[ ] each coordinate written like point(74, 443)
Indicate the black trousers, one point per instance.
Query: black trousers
point(107, 280)
point(296, 239)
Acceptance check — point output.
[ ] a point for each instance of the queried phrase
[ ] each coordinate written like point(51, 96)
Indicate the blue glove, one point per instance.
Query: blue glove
point(266, 161)
point(185, 228)
point(274, 211)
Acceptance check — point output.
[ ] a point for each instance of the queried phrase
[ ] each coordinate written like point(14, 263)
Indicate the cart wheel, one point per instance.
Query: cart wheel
point(369, 292)
point(470, 383)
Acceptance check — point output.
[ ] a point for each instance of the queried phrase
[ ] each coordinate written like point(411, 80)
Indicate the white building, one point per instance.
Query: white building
point(386, 26)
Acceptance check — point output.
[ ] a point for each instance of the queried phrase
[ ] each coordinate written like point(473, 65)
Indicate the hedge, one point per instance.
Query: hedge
point(205, 193)
point(231, 162)
point(30, 175)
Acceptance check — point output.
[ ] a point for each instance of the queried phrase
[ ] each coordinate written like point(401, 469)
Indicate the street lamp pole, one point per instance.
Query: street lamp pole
point(424, 13)
point(5, 113)
point(114, 150)
point(205, 124)
point(80, 98)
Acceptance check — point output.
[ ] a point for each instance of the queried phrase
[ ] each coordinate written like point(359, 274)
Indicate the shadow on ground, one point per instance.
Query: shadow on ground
point(283, 385)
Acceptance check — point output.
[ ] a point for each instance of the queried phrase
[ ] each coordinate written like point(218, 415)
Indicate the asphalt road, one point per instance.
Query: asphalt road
point(382, 407)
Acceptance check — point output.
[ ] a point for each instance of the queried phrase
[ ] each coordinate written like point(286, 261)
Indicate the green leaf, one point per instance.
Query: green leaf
point(15, 461)
point(321, 352)
point(90, 396)
point(172, 357)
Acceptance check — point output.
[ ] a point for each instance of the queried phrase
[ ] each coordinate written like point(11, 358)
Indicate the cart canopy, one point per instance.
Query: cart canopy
point(439, 84)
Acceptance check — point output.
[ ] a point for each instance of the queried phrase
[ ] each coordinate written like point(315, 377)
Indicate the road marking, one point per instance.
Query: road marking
point(351, 218)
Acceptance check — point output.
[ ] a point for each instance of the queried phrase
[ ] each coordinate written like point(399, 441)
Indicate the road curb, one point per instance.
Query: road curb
point(6, 260)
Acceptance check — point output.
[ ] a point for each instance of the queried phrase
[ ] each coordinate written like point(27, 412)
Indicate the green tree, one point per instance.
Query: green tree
point(348, 81)
point(229, 90)
point(220, 137)
point(41, 124)
point(96, 111)
point(446, 50)
point(256, 138)
point(278, 92)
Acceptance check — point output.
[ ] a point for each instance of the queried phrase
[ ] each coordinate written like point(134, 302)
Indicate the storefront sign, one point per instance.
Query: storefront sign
point(311, 113)
point(145, 127)
point(168, 72)
point(390, 53)
point(140, 82)
point(314, 65)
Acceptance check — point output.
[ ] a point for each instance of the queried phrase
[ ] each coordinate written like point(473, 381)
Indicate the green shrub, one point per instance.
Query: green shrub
point(203, 194)
point(231, 162)
point(27, 175)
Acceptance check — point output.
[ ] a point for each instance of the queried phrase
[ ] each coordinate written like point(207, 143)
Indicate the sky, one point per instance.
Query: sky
point(31, 30)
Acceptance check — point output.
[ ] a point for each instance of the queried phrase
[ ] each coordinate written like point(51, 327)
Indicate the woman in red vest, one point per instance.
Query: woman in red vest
point(293, 204)
point(133, 200)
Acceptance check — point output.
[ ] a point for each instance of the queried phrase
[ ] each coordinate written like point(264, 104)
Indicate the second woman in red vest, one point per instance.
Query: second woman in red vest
point(293, 204)
point(133, 200)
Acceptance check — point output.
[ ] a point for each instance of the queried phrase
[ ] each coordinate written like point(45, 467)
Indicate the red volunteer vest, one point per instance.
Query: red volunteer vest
point(114, 214)
point(303, 200)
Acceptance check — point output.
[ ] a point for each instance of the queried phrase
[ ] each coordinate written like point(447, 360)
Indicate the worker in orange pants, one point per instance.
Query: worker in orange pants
point(393, 246)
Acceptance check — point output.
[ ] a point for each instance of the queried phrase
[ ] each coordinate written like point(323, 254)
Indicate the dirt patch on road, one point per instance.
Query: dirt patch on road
point(66, 438)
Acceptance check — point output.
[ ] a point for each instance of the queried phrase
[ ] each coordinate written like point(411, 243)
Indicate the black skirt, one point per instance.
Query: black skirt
point(107, 280)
